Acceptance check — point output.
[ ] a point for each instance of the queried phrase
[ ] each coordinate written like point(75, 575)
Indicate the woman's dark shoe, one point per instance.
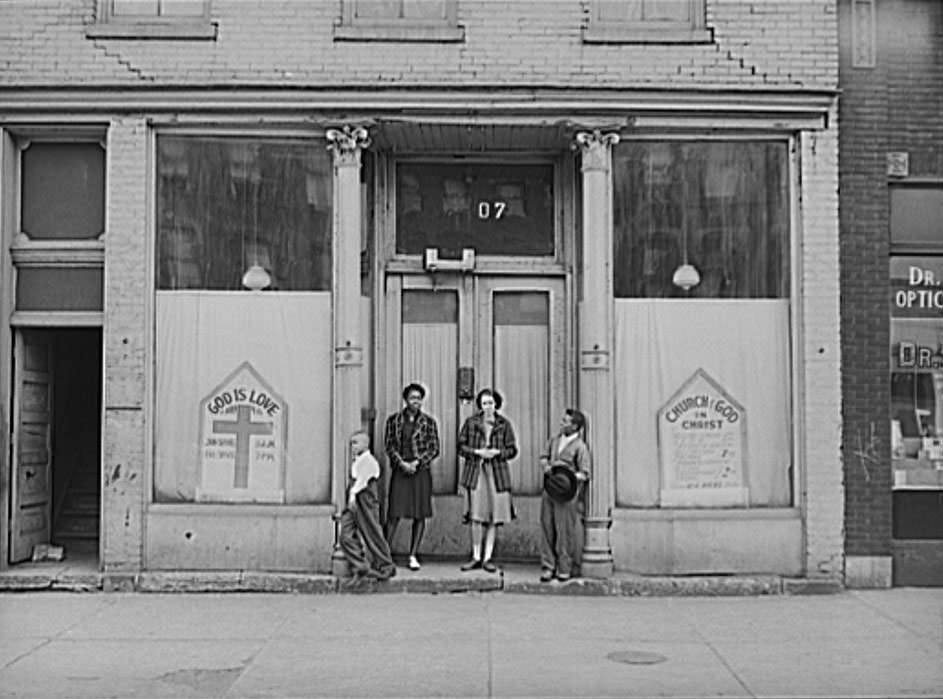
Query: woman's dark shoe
point(489, 566)
point(473, 564)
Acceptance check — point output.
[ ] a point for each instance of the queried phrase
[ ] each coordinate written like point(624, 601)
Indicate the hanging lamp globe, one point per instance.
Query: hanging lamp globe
point(686, 276)
point(256, 278)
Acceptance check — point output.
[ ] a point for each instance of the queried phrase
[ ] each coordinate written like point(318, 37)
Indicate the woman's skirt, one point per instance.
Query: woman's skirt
point(410, 495)
point(487, 505)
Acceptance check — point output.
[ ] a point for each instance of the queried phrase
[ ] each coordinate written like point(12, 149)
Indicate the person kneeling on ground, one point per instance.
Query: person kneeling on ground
point(361, 534)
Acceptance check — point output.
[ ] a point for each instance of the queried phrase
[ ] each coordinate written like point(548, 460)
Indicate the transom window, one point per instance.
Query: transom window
point(495, 209)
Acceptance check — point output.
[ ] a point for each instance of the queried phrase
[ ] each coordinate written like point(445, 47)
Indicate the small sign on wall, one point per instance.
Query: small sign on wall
point(242, 441)
point(702, 442)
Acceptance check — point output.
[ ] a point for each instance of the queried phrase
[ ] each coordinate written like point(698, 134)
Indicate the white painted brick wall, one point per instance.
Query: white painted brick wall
point(758, 44)
point(824, 492)
point(126, 289)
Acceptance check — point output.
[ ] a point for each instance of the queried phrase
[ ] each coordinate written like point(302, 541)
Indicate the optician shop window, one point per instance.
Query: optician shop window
point(243, 271)
point(702, 353)
point(916, 359)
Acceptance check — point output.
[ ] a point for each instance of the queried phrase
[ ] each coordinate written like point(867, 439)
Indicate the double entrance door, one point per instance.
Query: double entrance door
point(459, 333)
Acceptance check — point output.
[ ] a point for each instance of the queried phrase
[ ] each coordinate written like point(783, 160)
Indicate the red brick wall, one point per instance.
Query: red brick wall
point(895, 106)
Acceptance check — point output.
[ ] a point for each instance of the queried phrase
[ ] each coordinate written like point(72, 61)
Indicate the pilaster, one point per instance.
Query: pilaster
point(596, 398)
point(346, 144)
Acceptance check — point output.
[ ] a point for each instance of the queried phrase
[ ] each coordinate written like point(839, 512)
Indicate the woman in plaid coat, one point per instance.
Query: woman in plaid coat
point(411, 442)
point(487, 443)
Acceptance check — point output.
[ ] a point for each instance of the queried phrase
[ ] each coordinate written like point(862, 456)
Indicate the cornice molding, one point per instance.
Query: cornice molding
point(354, 103)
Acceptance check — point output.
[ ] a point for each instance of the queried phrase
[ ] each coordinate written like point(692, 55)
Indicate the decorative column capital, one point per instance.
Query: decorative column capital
point(346, 143)
point(594, 146)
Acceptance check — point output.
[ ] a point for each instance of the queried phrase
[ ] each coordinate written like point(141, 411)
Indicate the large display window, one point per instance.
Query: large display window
point(702, 340)
point(243, 320)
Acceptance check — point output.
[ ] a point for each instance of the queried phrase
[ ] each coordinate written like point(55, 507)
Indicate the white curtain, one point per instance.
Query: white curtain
point(522, 376)
point(202, 337)
point(430, 357)
point(743, 345)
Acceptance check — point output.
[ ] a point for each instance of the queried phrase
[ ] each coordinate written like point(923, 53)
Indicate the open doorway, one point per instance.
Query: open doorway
point(56, 437)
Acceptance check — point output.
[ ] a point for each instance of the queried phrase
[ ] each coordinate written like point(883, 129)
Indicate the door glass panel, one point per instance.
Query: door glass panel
point(496, 209)
point(63, 191)
point(522, 376)
point(430, 357)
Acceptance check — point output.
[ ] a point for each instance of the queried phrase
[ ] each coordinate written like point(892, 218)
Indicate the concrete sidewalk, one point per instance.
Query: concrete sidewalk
point(869, 643)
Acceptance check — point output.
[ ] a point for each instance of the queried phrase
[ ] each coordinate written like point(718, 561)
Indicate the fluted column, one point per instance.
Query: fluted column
point(595, 345)
point(346, 144)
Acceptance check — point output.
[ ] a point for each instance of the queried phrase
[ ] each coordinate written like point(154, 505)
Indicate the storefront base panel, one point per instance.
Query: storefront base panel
point(918, 563)
point(688, 542)
point(239, 537)
point(447, 537)
point(868, 572)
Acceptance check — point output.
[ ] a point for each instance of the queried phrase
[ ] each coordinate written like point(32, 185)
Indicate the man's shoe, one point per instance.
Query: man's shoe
point(489, 567)
point(563, 577)
point(546, 575)
point(473, 564)
point(414, 563)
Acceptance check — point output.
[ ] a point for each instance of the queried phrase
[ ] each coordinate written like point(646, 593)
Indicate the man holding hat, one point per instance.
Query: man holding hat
point(567, 463)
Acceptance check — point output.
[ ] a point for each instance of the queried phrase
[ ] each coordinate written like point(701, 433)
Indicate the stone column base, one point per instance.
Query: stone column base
point(865, 572)
point(597, 554)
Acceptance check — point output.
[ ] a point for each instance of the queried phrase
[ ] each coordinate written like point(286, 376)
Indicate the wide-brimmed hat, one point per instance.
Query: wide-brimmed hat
point(560, 483)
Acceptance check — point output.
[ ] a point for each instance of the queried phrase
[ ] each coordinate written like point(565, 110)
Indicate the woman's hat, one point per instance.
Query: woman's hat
point(560, 483)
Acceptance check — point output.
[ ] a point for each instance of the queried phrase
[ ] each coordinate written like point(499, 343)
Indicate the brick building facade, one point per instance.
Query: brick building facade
point(269, 217)
point(891, 164)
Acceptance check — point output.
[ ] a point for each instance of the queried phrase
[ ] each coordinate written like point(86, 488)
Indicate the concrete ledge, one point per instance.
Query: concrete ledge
point(434, 578)
point(235, 581)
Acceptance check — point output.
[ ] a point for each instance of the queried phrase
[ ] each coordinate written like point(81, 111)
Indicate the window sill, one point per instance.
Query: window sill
point(619, 34)
point(434, 33)
point(200, 30)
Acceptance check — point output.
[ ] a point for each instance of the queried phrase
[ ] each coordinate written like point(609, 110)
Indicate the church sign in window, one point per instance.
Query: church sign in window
point(242, 440)
point(702, 439)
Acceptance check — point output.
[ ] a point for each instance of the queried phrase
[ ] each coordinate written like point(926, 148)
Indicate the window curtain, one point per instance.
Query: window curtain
point(430, 357)
point(743, 345)
point(202, 337)
point(522, 376)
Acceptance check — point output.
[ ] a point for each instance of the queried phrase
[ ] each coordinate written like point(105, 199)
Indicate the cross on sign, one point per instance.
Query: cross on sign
point(243, 428)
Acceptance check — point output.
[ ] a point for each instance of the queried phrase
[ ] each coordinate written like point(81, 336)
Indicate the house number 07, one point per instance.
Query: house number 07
point(491, 209)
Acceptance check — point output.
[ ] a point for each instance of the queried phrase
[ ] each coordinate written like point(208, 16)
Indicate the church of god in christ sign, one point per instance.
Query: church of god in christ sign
point(702, 446)
point(242, 441)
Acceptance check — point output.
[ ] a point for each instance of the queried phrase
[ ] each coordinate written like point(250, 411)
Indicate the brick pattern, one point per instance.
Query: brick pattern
point(895, 106)
point(125, 334)
point(290, 42)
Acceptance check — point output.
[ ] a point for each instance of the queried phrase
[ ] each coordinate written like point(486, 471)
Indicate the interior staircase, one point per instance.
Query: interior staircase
point(76, 525)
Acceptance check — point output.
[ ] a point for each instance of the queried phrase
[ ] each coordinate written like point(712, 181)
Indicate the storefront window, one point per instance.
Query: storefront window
point(702, 310)
point(721, 207)
point(916, 389)
point(228, 204)
point(243, 320)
